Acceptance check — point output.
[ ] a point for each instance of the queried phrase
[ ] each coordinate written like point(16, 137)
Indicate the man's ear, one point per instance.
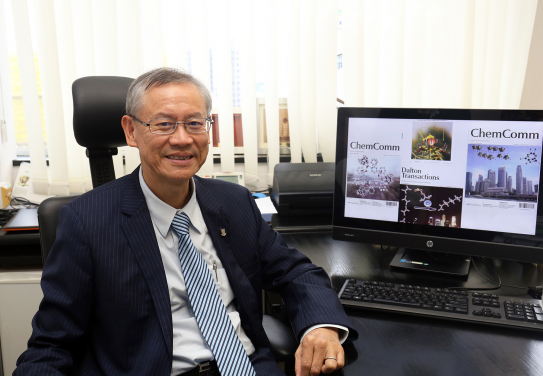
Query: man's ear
point(128, 127)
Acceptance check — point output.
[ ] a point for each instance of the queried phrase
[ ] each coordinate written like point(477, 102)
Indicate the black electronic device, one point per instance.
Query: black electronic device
point(303, 188)
point(479, 307)
point(23, 220)
point(462, 182)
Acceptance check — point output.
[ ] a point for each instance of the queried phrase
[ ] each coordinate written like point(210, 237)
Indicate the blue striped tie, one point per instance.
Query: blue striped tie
point(208, 307)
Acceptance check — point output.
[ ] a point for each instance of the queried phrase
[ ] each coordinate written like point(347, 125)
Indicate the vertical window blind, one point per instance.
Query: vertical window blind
point(393, 53)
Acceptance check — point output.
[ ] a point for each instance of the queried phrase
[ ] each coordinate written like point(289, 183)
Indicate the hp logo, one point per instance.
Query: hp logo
point(429, 244)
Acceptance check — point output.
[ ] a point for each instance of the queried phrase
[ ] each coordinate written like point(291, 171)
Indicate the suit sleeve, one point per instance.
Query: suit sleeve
point(60, 325)
point(304, 287)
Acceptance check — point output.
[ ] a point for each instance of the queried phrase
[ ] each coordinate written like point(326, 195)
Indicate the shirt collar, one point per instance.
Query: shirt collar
point(162, 214)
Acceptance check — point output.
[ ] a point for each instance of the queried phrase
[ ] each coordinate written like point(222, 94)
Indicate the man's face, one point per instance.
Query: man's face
point(174, 158)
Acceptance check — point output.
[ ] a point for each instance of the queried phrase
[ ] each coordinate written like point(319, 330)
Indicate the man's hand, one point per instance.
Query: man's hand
point(316, 346)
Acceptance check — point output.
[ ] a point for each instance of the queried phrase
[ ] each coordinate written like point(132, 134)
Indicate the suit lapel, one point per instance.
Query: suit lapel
point(216, 220)
point(138, 229)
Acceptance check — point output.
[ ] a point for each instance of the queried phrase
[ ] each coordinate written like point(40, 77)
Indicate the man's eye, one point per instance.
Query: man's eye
point(165, 124)
point(195, 123)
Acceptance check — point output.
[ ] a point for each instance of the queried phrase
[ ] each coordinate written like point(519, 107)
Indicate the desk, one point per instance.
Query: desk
point(396, 344)
point(20, 248)
point(389, 344)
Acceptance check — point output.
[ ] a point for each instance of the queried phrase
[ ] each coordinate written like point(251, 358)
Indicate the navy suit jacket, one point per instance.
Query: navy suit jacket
point(106, 308)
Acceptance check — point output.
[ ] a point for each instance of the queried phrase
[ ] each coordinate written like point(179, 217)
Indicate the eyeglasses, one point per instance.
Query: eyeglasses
point(168, 126)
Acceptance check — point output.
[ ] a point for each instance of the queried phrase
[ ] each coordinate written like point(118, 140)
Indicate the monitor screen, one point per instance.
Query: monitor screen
point(456, 181)
point(230, 178)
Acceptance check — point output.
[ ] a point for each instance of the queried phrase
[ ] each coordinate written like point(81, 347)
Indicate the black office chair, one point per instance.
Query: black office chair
point(99, 105)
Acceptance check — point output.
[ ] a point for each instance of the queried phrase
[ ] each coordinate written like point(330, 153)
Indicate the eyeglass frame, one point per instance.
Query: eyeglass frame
point(208, 119)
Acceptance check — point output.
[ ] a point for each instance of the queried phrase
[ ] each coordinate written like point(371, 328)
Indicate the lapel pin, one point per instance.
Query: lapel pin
point(223, 232)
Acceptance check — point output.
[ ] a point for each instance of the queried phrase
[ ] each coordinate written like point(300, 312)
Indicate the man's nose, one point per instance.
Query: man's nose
point(180, 135)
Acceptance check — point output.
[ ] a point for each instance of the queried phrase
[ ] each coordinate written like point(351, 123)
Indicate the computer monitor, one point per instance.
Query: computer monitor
point(462, 182)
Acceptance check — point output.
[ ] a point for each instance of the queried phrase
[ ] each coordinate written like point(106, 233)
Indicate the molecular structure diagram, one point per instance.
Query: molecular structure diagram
point(531, 157)
point(427, 202)
point(368, 185)
point(450, 201)
point(490, 152)
point(405, 210)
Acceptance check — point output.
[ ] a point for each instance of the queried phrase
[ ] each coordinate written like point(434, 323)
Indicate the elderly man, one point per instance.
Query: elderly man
point(160, 272)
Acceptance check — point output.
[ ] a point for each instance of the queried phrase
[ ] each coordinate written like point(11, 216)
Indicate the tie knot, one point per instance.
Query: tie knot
point(181, 223)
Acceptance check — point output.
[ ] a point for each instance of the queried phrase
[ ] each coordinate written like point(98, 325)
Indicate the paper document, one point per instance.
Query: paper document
point(23, 185)
point(265, 205)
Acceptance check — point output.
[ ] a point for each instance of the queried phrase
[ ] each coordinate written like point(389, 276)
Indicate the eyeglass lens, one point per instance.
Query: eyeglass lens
point(165, 126)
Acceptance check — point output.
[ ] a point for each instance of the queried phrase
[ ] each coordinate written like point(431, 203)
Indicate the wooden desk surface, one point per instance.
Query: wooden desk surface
point(397, 344)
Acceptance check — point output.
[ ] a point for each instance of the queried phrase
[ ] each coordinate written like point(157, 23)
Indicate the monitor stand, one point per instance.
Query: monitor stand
point(436, 262)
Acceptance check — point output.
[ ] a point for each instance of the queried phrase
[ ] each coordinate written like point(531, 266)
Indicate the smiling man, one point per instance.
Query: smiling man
point(161, 272)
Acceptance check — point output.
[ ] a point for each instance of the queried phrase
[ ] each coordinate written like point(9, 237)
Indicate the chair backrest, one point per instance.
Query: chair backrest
point(48, 219)
point(99, 105)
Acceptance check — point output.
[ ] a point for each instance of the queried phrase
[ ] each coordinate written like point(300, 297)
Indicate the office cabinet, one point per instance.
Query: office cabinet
point(20, 296)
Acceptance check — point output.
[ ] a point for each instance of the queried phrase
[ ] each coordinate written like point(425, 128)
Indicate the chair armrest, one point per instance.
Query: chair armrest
point(281, 337)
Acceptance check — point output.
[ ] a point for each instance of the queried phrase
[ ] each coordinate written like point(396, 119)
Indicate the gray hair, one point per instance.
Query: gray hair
point(135, 98)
